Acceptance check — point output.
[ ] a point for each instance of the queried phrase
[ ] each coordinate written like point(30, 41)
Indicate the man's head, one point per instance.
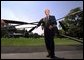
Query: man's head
point(47, 12)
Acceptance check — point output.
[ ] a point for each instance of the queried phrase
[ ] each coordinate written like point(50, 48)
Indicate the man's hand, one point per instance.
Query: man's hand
point(50, 27)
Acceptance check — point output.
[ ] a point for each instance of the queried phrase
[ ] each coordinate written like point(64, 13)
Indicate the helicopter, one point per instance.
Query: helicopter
point(9, 30)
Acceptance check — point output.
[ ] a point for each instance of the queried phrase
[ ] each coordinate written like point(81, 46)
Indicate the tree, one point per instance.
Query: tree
point(74, 23)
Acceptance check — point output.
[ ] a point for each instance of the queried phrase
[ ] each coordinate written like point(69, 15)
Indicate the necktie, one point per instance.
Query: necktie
point(46, 21)
point(47, 18)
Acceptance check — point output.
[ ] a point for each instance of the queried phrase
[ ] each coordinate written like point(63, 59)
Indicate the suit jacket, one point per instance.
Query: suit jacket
point(51, 21)
point(47, 22)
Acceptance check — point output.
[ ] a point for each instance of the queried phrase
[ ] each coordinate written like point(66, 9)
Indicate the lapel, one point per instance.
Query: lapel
point(49, 17)
point(45, 19)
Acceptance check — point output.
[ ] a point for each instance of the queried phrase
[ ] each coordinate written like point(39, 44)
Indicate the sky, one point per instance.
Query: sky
point(32, 11)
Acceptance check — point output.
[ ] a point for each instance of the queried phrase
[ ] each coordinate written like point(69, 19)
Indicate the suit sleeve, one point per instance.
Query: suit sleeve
point(40, 22)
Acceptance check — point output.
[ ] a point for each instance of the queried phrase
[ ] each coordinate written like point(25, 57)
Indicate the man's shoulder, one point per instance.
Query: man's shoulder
point(52, 16)
point(49, 16)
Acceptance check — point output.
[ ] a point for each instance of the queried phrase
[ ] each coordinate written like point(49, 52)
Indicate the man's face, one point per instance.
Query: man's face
point(47, 12)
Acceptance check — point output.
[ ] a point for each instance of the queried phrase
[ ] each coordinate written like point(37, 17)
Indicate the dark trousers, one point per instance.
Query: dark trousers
point(49, 40)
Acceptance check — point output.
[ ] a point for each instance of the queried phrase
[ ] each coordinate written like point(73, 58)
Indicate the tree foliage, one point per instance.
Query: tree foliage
point(74, 23)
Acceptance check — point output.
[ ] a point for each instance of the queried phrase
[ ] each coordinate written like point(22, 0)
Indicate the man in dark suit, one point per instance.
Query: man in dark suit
point(48, 23)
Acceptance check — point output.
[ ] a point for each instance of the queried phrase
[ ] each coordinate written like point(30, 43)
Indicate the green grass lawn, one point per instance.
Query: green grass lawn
point(35, 41)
